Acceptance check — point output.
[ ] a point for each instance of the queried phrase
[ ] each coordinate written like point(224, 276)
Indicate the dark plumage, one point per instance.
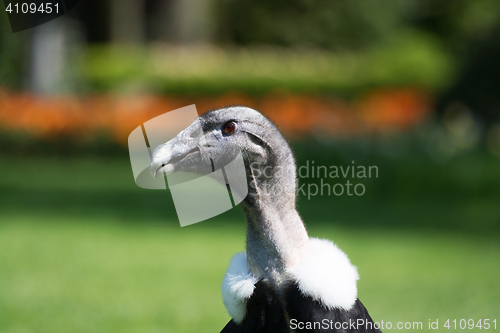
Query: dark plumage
point(304, 309)
point(284, 276)
point(265, 312)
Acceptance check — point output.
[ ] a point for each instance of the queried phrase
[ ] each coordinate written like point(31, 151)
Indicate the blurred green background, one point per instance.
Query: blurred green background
point(412, 87)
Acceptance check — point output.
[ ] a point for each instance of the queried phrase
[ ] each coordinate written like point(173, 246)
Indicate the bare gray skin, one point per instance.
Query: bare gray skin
point(276, 236)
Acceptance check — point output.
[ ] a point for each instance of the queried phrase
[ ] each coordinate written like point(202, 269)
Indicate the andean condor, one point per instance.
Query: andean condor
point(285, 281)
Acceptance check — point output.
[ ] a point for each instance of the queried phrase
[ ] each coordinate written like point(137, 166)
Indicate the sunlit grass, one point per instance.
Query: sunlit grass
point(82, 249)
point(81, 275)
point(78, 275)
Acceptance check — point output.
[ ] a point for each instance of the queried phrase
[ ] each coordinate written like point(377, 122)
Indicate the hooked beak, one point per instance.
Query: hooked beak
point(167, 157)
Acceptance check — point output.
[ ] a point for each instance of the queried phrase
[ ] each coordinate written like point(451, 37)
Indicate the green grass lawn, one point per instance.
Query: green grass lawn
point(83, 250)
point(87, 275)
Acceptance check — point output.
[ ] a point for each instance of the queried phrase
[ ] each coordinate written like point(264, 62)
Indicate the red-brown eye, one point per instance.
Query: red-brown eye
point(229, 127)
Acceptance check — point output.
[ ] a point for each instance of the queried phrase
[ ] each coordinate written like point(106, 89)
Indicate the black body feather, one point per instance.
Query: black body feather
point(304, 309)
point(266, 314)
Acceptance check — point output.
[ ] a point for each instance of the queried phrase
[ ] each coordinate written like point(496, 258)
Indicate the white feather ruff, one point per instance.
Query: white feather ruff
point(326, 274)
point(237, 287)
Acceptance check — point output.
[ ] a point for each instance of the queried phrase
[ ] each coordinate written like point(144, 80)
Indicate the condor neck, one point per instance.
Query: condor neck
point(276, 236)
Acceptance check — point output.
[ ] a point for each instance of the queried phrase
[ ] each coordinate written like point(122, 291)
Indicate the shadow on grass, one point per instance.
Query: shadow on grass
point(411, 191)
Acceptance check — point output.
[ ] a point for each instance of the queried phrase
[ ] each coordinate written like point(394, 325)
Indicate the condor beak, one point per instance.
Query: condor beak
point(165, 158)
point(160, 159)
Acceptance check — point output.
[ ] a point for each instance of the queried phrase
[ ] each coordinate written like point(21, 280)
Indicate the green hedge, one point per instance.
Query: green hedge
point(410, 58)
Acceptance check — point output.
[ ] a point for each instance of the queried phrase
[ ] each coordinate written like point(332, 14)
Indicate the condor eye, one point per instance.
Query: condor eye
point(229, 127)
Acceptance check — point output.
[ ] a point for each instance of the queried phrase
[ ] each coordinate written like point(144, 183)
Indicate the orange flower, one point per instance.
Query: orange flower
point(296, 115)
